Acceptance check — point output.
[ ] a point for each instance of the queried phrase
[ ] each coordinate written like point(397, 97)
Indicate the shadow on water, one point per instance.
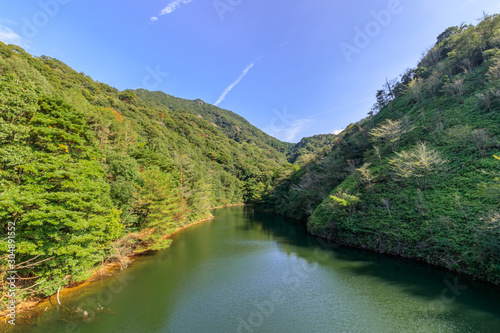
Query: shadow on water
point(418, 279)
point(181, 285)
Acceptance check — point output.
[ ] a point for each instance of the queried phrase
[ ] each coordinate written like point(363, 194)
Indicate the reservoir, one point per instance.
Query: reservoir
point(247, 271)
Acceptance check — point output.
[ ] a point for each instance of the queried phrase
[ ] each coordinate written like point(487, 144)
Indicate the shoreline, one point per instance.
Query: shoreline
point(413, 260)
point(106, 270)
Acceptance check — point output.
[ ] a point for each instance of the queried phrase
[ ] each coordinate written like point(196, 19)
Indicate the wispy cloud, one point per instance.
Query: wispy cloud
point(232, 85)
point(285, 126)
point(9, 36)
point(289, 134)
point(172, 6)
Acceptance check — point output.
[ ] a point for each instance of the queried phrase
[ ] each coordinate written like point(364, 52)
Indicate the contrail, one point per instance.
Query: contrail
point(232, 85)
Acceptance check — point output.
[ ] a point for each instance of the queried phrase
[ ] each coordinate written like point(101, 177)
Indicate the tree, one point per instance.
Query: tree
point(456, 88)
point(390, 132)
point(433, 83)
point(417, 163)
point(56, 191)
point(158, 204)
point(432, 57)
point(412, 74)
point(415, 89)
point(382, 100)
point(128, 96)
point(493, 73)
point(467, 49)
point(465, 137)
point(366, 175)
point(447, 34)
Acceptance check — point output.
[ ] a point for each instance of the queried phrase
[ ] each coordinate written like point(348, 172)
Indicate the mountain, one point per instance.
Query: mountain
point(232, 125)
point(89, 173)
point(306, 148)
point(419, 177)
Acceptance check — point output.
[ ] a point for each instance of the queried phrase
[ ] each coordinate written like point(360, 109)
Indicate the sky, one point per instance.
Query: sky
point(293, 68)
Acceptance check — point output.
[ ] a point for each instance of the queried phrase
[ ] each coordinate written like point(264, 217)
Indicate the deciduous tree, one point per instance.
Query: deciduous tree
point(417, 163)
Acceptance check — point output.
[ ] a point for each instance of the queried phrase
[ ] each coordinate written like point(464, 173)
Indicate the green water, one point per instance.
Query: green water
point(254, 272)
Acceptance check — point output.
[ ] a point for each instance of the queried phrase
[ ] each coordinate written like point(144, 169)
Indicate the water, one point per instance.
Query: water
point(253, 272)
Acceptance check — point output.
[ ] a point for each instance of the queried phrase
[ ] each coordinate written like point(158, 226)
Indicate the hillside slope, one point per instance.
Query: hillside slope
point(418, 178)
point(232, 125)
point(89, 173)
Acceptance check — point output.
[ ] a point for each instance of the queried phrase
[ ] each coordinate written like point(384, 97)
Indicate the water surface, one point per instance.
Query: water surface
point(247, 271)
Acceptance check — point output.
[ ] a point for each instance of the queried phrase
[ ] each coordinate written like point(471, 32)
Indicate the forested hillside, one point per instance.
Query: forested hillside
point(419, 177)
point(89, 173)
point(231, 124)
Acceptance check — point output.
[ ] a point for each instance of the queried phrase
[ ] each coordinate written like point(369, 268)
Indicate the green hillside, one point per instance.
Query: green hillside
point(307, 148)
point(231, 124)
point(418, 178)
point(89, 173)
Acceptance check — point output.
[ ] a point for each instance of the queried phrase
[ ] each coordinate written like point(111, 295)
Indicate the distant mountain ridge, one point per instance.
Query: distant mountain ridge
point(230, 123)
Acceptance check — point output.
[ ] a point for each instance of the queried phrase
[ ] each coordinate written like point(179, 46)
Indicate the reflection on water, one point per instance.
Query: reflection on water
point(253, 272)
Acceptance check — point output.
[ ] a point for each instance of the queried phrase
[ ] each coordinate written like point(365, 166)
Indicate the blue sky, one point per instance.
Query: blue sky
point(293, 68)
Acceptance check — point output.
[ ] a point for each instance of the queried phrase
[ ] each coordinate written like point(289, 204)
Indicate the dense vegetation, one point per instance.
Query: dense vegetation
point(417, 178)
point(232, 125)
point(89, 173)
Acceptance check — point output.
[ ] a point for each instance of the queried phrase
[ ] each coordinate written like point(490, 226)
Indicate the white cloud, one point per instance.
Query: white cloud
point(173, 5)
point(9, 36)
point(285, 126)
point(287, 131)
point(288, 134)
point(232, 85)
